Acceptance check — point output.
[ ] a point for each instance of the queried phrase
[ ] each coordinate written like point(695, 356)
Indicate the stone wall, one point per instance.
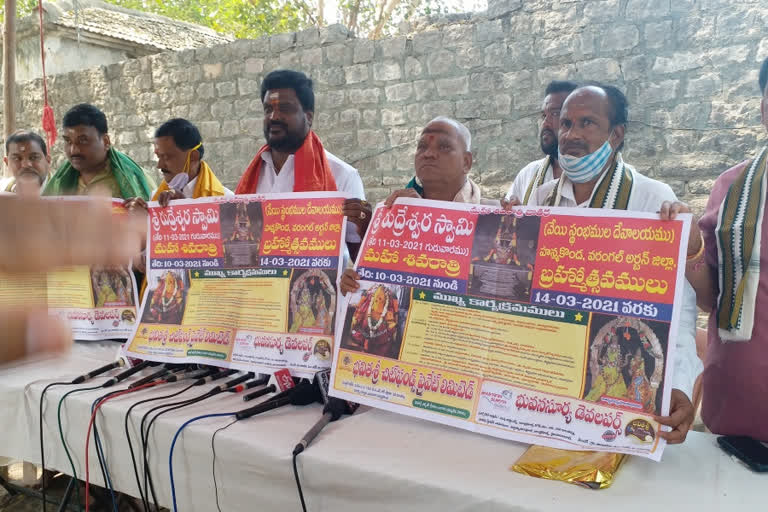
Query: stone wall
point(689, 68)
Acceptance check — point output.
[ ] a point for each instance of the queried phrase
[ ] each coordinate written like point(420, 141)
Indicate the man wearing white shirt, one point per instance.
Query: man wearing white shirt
point(591, 135)
point(293, 159)
point(546, 169)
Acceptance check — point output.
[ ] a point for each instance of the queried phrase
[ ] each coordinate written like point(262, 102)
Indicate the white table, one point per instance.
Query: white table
point(371, 461)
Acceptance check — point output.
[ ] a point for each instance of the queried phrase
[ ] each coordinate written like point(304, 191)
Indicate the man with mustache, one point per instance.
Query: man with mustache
point(179, 150)
point(93, 166)
point(541, 171)
point(593, 120)
point(29, 162)
point(293, 159)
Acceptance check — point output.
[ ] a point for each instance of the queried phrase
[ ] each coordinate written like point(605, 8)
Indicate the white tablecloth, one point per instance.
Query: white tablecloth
point(371, 461)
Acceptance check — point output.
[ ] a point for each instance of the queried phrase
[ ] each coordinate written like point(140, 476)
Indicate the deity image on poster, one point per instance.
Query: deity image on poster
point(626, 362)
point(374, 319)
point(241, 230)
point(166, 297)
point(323, 349)
point(312, 304)
point(112, 287)
point(503, 256)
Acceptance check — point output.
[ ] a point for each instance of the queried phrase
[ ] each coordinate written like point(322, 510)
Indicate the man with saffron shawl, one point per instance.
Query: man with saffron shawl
point(179, 150)
point(93, 166)
point(294, 159)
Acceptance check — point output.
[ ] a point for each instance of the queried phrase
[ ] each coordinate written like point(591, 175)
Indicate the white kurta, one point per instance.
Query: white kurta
point(647, 196)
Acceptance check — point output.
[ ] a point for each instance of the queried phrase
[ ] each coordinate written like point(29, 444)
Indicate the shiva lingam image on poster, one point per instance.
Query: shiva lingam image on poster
point(626, 362)
point(503, 256)
point(241, 231)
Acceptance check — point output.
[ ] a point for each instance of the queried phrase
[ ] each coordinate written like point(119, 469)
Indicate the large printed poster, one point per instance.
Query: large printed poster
point(246, 282)
point(548, 326)
point(98, 302)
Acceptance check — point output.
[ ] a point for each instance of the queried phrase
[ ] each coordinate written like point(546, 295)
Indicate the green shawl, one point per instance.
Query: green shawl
point(128, 174)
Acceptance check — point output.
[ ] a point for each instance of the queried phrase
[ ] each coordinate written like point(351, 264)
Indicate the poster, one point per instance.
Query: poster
point(98, 302)
point(547, 326)
point(246, 282)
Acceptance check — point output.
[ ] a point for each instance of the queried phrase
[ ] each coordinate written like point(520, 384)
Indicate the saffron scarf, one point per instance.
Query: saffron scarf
point(128, 174)
point(311, 170)
point(207, 184)
point(738, 235)
point(612, 191)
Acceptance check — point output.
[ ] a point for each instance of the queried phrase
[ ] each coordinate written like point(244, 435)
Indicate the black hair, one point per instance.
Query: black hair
point(619, 114)
point(289, 79)
point(558, 86)
point(86, 115)
point(763, 76)
point(185, 134)
point(20, 136)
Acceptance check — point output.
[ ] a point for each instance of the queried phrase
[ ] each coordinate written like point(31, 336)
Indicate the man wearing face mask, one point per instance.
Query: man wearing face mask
point(592, 124)
point(293, 159)
point(541, 171)
point(93, 165)
point(179, 150)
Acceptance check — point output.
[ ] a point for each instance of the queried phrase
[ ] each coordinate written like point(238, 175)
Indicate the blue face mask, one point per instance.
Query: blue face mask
point(581, 169)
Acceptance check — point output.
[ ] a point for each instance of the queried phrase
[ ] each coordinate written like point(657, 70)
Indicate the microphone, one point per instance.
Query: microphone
point(250, 384)
point(333, 410)
point(259, 392)
point(127, 373)
point(149, 378)
point(231, 383)
point(303, 394)
point(98, 371)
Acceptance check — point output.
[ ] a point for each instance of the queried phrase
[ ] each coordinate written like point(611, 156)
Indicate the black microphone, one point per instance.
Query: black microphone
point(98, 371)
point(332, 411)
point(149, 378)
point(303, 394)
point(127, 373)
point(259, 392)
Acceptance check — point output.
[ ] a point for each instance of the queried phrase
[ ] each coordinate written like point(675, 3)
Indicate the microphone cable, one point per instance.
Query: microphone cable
point(77, 380)
point(42, 443)
point(92, 421)
point(213, 464)
point(173, 444)
point(63, 440)
point(144, 498)
point(149, 486)
point(298, 483)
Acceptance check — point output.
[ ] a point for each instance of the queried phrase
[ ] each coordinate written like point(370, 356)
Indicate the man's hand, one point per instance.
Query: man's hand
point(34, 332)
point(41, 235)
point(508, 204)
point(359, 213)
point(681, 415)
point(349, 281)
point(670, 210)
point(405, 192)
point(136, 205)
point(140, 262)
point(167, 196)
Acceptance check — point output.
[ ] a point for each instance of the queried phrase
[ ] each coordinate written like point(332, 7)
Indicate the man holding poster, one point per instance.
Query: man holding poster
point(592, 124)
point(294, 159)
point(553, 326)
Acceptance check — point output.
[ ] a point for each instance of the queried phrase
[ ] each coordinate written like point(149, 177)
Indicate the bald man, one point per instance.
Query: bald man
point(593, 121)
point(442, 163)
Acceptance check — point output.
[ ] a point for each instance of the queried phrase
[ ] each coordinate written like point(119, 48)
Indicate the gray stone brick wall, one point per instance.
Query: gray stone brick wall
point(688, 67)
